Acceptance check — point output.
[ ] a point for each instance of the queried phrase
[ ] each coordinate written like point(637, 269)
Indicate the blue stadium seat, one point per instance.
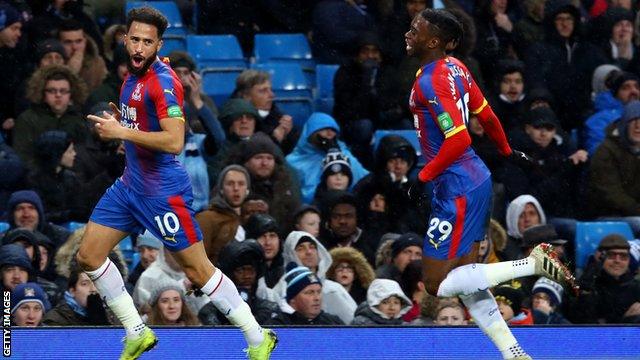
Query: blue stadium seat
point(126, 244)
point(73, 225)
point(324, 87)
point(300, 108)
point(219, 83)
point(168, 9)
point(4, 226)
point(589, 234)
point(133, 262)
point(215, 51)
point(171, 43)
point(286, 48)
point(287, 80)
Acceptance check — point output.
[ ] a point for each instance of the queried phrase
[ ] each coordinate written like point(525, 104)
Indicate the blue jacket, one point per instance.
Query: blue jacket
point(306, 159)
point(193, 161)
point(609, 109)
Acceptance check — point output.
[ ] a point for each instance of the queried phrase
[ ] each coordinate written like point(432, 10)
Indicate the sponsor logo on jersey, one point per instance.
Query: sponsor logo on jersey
point(169, 91)
point(445, 122)
point(128, 117)
point(137, 93)
point(174, 111)
point(433, 101)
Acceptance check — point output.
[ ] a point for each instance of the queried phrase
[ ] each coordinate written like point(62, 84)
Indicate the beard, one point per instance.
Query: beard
point(145, 66)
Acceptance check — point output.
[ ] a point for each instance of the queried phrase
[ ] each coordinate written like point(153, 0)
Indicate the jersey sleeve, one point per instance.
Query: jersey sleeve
point(168, 97)
point(439, 97)
point(477, 101)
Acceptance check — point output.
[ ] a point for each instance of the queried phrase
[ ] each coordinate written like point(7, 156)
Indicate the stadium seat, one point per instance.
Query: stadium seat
point(171, 43)
point(168, 9)
point(589, 234)
point(300, 108)
point(219, 83)
point(287, 80)
point(4, 226)
point(73, 225)
point(285, 48)
point(215, 51)
point(324, 87)
point(135, 259)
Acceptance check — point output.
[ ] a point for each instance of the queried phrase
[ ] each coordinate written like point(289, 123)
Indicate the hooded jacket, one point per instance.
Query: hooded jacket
point(335, 299)
point(614, 189)
point(380, 289)
point(609, 109)
point(513, 250)
point(306, 159)
point(364, 274)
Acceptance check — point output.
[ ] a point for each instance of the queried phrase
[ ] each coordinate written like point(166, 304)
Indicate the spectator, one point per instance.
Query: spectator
point(411, 282)
point(82, 305)
point(405, 249)
point(193, 158)
point(148, 247)
point(169, 306)
point(12, 57)
point(362, 97)
point(56, 94)
point(240, 121)
point(336, 175)
point(564, 62)
point(556, 179)
point(264, 229)
point(52, 16)
point(625, 87)
point(83, 53)
point(221, 222)
point(509, 103)
point(307, 218)
point(255, 87)
point(64, 196)
point(271, 178)
point(601, 81)
point(13, 172)
point(112, 38)
point(617, 43)
point(243, 261)
point(300, 247)
point(200, 110)
point(609, 294)
point(304, 300)
point(385, 305)
point(25, 209)
point(523, 212)
point(493, 243)
point(340, 225)
point(350, 269)
point(383, 253)
point(450, 313)
point(336, 27)
point(319, 135)
point(109, 90)
point(494, 24)
point(612, 186)
point(509, 301)
point(546, 300)
point(28, 305)
point(530, 28)
point(164, 269)
point(15, 266)
point(253, 204)
point(395, 158)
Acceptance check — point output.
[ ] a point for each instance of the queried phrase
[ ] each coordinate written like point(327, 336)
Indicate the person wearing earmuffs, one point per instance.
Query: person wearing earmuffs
point(220, 224)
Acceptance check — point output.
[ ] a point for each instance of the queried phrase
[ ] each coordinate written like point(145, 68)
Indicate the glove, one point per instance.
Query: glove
point(521, 159)
point(96, 312)
point(416, 192)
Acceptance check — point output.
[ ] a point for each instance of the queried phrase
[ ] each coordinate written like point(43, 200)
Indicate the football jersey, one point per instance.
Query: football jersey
point(144, 102)
point(443, 95)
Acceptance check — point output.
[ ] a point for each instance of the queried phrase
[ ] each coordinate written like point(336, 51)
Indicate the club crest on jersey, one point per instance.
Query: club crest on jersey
point(137, 93)
point(445, 122)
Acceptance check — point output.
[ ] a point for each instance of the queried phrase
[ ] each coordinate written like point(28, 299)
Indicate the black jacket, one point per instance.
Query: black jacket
point(297, 319)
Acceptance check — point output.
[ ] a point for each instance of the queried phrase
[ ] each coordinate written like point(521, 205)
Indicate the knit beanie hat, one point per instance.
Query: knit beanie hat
point(28, 292)
point(551, 288)
point(8, 16)
point(259, 143)
point(510, 296)
point(47, 46)
point(233, 167)
point(15, 255)
point(162, 286)
point(336, 162)
point(404, 241)
point(298, 278)
point(233, 109)
point(620, 79)
point(258, 225)
point(613, 241)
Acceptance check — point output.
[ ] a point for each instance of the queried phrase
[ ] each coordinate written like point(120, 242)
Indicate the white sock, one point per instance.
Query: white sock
point(110, 286)
point(468, 279)
point(224, 296)
point(483, 308)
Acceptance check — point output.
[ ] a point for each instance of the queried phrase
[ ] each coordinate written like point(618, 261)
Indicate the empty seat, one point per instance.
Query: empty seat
point(283, 47)
point(287, 80)
point(172, 43)
point(4, 226)
point(219, 83)
point(324, 87)
point(300, 108)
point(589, 234)
point(215, 51)
point(168, 8)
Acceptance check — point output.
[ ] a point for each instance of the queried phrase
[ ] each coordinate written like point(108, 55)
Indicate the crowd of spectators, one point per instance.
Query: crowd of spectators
point(314, 224)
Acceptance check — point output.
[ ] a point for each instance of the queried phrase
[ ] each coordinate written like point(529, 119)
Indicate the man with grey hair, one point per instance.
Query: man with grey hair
point(255, 87)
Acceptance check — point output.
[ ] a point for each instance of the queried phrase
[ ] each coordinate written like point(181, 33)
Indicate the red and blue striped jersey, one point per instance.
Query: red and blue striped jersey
point(144, 102)
point(443, 95)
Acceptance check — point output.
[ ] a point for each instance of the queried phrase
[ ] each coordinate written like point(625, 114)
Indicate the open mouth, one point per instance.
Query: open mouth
point(137, 61)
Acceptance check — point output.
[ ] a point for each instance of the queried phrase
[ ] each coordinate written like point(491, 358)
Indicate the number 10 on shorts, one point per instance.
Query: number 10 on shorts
point(168, 224)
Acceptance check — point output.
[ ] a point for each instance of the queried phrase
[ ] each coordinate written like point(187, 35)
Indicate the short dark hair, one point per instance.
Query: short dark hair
point(70, 25)
point(448, 28)
point(148, 15)
point(74, 275)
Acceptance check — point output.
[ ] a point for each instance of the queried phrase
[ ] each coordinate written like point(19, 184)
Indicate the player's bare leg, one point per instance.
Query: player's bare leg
point(97, 242)
point(224, 295)
point(471, 282)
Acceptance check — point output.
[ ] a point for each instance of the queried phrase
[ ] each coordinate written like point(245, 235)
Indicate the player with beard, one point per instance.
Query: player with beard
point(443, 95)
point(154, 193)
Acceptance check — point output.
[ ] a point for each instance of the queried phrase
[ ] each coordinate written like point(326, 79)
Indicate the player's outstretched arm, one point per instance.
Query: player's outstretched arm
point(169, 140)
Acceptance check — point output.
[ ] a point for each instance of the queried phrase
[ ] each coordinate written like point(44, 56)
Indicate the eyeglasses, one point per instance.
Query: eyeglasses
point(53, 91)
point(618, 254)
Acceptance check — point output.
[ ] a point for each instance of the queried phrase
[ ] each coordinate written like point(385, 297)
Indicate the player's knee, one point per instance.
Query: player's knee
point(464, 280)
point(86, 262)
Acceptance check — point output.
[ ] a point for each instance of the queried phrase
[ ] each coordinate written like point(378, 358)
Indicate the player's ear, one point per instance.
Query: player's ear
point(160, 43)
point(434, 43)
